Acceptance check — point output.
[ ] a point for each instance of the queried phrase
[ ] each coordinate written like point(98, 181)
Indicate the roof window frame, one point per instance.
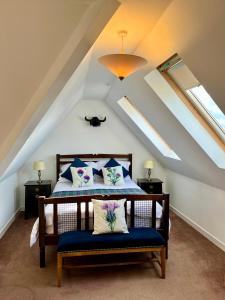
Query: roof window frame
point(191, 100)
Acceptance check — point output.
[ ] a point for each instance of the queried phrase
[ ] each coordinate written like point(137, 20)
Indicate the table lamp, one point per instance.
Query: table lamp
point(149, 164)
point(39, 166)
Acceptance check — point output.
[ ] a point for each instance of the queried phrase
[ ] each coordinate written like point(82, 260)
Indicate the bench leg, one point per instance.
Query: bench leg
point(59, 269)
point(166, 251)
point(163, 262)
point(42, 257)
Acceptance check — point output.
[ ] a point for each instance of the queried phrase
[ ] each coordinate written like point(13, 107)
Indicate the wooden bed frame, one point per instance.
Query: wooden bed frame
point(46, 239)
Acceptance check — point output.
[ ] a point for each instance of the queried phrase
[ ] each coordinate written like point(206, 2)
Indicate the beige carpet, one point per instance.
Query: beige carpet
point(195, 270)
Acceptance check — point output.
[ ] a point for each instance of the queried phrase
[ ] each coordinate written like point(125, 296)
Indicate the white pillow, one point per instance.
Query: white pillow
point(92, 164)
point(113, 175)
point(109, 216)
point(82, 176)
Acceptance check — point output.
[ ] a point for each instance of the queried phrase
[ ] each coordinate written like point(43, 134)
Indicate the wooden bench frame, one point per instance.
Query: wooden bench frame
point(159, 249)
point(163, 229)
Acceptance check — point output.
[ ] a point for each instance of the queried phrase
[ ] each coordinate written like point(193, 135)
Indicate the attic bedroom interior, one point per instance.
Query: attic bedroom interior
point(112, 153)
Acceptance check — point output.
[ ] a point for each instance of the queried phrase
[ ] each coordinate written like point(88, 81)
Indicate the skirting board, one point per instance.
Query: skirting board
point(7, 225)
point(200, 229)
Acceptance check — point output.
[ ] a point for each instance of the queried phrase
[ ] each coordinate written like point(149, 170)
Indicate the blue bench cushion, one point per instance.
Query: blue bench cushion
point(85, 240)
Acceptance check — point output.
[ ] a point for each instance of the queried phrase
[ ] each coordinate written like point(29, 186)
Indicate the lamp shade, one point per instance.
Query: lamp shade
point(39, 165)
point(122, 65)
point(149, 164)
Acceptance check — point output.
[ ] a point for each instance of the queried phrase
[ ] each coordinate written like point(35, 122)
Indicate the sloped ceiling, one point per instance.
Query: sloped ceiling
point(131, 12)
point(167, 27)
point(185, 28)
point(86, 20)
point(135, 16)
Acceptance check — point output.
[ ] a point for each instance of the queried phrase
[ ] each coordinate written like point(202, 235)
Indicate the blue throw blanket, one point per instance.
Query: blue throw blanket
point(98, 192)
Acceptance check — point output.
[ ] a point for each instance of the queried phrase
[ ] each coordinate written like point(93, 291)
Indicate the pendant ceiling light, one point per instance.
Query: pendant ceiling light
point(122, 64)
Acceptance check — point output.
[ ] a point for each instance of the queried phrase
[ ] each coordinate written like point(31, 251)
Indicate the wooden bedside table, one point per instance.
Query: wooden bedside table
point(32, 190)
point(154, 186)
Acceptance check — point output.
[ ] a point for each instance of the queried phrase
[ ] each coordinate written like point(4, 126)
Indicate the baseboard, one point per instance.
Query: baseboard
point(200, 229)
point(7, 225)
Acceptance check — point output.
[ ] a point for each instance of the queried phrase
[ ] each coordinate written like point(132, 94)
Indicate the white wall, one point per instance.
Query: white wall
point(201, 205)
point(75, 135)
point(9, 204)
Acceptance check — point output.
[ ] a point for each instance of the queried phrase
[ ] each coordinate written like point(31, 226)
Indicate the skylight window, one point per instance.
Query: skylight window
point(201, 98)
point(146, 128)
point(196, 93)
point(193, 107)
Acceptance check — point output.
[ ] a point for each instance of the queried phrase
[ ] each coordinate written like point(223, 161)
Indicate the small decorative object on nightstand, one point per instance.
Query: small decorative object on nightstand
point(33, 189)
point(149, 164)
point(39, 166)
point(154, 186)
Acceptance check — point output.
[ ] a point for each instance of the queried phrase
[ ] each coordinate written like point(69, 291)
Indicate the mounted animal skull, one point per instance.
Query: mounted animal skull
point(95, 121)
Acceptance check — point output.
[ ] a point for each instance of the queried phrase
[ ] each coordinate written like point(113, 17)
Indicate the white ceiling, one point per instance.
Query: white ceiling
point(128, 17)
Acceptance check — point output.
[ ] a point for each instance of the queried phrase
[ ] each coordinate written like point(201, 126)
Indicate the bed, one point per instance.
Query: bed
point(70, 208)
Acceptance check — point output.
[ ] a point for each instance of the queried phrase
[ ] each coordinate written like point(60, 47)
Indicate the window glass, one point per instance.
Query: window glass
point(146, 128)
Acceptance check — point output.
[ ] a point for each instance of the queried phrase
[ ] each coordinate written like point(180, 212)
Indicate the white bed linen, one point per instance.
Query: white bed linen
point(98, 184)
point(67, 186)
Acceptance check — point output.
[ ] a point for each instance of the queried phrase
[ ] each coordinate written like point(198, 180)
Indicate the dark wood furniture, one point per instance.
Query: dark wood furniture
point(154, 186)
point(33, 190)
point(46, 239)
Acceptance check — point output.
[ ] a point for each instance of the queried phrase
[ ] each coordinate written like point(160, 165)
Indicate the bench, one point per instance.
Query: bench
point(84, 243)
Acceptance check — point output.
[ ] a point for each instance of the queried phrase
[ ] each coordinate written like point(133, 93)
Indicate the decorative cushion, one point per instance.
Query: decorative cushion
point(84, 240)
point(113, 176)
point(109, 216)
point(77, 163)
point(82, 176)
point(113, 163)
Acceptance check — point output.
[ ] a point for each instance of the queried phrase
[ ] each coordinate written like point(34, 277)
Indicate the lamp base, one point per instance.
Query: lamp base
point(39, 177)
point(149, 174)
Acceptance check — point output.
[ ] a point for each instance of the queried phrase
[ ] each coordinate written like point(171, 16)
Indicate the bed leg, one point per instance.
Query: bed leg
point(163, 262)
point(42, 257)
point(59, 269)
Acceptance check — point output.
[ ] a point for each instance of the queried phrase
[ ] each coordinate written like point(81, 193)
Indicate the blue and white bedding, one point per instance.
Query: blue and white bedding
point(67, 212)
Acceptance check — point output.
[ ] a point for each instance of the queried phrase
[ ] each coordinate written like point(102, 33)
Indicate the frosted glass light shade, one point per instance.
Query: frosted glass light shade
point(149, 164)
point(39, 165)
point(122, 65)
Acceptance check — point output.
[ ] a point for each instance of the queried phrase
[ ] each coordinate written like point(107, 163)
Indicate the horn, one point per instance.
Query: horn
point(87, 119)
point(103, 120)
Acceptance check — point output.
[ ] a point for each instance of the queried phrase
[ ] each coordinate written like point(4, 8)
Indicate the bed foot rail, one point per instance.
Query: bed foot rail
point(42, 257)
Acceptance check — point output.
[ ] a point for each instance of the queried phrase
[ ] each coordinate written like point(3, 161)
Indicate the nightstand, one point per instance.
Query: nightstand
point(154, 186)
point(32, 190)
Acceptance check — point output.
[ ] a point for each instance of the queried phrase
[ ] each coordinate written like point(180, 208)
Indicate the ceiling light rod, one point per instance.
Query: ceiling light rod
point(122, 34)
point(122, 64)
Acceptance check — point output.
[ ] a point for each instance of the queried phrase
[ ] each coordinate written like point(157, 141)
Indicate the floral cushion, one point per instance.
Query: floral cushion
point(82, 176)
point(109, 216)
point(113, 176)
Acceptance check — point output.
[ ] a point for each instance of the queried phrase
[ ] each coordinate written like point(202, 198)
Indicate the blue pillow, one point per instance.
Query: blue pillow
point(113, 163)
point(77, 163)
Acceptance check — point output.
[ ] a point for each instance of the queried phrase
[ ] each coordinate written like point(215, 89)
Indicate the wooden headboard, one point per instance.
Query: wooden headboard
point(62, 159)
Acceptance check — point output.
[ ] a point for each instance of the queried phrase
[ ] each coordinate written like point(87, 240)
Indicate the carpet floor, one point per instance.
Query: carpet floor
point(195, 271)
